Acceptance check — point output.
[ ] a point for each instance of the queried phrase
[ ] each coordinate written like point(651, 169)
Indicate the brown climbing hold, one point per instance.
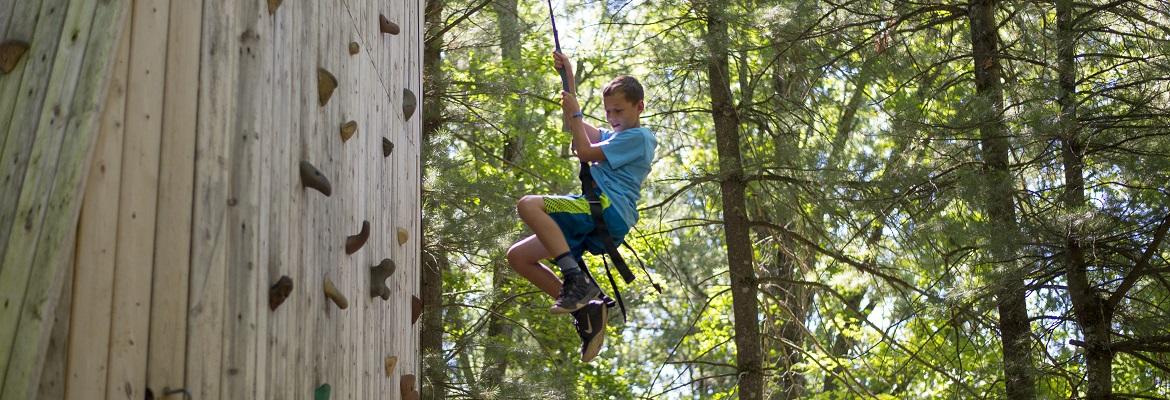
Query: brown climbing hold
point(10, 53)
point(355, 242)
point(402, 236)
point(279, 291)
point(391, 361)
point(273, 5)
point(354, 48)
point(378, 275)
point(416, 307)
point(386, 26)
point(313, 178)
point(387, 147)
point(409, 103)
point(406, 387)
point(326, 82)
point(335, 295)
point(347, 130)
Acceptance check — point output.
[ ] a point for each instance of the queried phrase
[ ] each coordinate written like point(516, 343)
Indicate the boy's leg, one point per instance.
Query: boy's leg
point(577, 288)
point(525, 256)
point(532, 212)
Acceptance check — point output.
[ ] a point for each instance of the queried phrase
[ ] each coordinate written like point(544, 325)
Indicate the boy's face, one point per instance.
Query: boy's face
point(622, 114)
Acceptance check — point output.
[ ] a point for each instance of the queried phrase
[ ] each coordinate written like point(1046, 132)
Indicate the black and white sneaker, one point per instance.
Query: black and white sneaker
point(576, 292)
point(591, 321)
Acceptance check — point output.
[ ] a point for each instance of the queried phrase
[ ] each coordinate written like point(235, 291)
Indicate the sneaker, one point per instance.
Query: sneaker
point(590, 322)
point(576, 292)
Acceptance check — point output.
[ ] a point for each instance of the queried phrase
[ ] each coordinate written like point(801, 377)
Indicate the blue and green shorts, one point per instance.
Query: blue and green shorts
point(572, 215)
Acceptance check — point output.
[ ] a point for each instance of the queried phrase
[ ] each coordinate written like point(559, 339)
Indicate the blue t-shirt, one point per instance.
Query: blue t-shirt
point(628, 155)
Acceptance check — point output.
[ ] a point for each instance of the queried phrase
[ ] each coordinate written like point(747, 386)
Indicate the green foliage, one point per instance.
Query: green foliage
point(866, 183)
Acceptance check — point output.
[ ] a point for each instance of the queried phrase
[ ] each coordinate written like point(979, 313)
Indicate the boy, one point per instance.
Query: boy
point(620, 159)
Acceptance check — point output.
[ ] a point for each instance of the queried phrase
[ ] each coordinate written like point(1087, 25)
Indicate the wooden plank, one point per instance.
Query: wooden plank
point(23, 27)
point(362, 155)
point(77, 92)
point(327, 260)
point(413, 181)
point(279, 217)
point(217, 77)
point(138, 202)
point(6, 11)
point(238, 375)
point(53, 376)
point(24, 92)
point(311, 305)
point(166, 356)
point(97, 233)
point(24, 195)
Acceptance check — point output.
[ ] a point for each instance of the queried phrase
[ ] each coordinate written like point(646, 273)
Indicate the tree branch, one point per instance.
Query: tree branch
point(1142, 265)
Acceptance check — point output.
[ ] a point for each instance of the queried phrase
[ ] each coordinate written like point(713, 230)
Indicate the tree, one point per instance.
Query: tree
point(1014, 326)
point(736, 225)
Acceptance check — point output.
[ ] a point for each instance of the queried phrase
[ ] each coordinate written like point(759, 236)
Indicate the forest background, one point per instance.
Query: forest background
point(851, 199)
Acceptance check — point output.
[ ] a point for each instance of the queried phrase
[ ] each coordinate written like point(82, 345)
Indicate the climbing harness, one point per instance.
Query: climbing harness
point(601, 233)
point(600, 230)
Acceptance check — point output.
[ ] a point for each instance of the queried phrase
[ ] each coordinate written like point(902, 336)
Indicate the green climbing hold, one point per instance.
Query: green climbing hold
point(322, 392)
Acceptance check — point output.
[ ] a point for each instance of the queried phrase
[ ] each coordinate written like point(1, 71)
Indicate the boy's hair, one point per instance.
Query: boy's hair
point(627, 86)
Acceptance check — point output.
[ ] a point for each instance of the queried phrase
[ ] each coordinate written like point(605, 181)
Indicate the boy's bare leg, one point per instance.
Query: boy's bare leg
point(531, 209)
point(525, 256)
point(577, 289)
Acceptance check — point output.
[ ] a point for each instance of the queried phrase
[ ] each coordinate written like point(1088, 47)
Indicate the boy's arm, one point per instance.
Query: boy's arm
point(585, 145)
point(581, 144)
point(591, 131)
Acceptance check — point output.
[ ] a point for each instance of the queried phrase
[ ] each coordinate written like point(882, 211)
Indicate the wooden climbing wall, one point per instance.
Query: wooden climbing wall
point(194, 206)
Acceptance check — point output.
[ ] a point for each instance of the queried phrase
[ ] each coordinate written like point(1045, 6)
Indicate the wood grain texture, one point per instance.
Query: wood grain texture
point(138, 202)
point(45, 209)
point(166, 356)
point(70, 121)
point(97, 233)
point(209, 253)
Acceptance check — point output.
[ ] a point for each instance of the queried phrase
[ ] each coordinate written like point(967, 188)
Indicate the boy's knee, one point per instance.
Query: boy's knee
point(530, 203)
point(515, 256)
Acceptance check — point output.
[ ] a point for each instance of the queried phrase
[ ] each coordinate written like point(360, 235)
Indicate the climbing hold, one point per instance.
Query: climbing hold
point(313, 178)
point(416, 307)
point(323, 392)
point(406, 388)
point(354, 48)
point(279, 291)
point(335, 295)
point(378, 275)
point(273, 5)
point(402, 236)
point(326, 82)
point(355, 242)
point(409, 103)
point(391, 361)
point(347, 130)
point(386, 26)
point(387, 147)
point(10, 53)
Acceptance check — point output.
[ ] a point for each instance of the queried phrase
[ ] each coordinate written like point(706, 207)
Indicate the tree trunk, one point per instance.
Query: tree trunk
point(499, 332)
point(1089, 307)
point(510, 41)
point(499, 335)
point(735, 221)
point(1014, 326)
point(434, 264)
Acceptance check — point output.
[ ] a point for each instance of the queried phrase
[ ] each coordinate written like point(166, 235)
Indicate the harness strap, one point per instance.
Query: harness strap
point(600, 230)
point(616, 292)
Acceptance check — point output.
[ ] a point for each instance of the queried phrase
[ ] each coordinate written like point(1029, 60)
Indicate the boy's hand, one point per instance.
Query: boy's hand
point(561, 61)
point(569, 104)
